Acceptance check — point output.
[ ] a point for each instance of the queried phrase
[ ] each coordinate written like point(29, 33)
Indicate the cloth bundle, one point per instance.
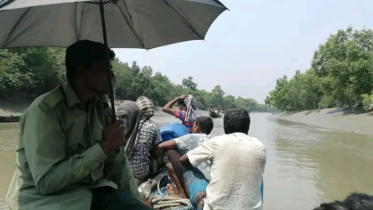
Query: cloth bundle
point(129, 112)
point(192, 111)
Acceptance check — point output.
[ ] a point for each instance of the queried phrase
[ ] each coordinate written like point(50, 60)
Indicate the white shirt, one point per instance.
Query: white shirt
point(238, 162)
point(192, 141)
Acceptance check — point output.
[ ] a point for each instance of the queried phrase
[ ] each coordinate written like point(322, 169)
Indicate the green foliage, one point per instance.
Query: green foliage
point(341, 73)
point(133, 81)
point(188, 83)
point(29, 72)
point(368, 101)
point(26, 73)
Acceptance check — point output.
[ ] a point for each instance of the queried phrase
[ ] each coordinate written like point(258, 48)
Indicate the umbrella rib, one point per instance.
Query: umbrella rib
point(81, 21)
point(20, 19)
point(3, 4)
point(130, 23)
point(221, 4)
point(190, 26)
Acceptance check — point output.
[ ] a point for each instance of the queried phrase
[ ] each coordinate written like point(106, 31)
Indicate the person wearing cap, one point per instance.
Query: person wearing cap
point(143, 159)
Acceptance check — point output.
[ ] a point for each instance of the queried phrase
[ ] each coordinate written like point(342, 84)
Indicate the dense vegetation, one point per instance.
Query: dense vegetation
point(26, 73)
point(341, 75)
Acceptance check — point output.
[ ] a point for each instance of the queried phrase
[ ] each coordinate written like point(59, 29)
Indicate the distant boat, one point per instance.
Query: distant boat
point(213, 114)
point(9, 119)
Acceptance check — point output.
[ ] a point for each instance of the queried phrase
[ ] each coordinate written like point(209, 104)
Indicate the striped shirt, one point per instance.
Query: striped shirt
point(181, 115)
point(149, 135)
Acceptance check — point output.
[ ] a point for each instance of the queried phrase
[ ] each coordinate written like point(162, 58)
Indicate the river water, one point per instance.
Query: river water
point(305, 165)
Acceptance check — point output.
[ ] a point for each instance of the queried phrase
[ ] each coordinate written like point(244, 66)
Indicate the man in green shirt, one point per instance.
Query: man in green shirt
point(68, 156)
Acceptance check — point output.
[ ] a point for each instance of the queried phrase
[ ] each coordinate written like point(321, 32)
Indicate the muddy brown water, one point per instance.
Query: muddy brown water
point(306, 165)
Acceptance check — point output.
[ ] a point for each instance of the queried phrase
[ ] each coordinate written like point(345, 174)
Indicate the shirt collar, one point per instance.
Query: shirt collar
point(70, 95)
point(72, 99)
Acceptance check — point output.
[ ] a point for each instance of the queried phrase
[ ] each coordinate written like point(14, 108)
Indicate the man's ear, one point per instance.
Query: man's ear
point(198, 128)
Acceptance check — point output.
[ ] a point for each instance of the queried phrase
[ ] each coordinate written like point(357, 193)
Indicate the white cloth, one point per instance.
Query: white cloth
point(192, 111)
point(190, 142)
point(238, 162)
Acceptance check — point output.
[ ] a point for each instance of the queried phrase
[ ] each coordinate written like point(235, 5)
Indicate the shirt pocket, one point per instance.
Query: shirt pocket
point(95, 134)
point(75, 139)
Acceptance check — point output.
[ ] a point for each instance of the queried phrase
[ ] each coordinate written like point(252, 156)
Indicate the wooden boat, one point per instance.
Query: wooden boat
point(214, 114)
point(8, 119)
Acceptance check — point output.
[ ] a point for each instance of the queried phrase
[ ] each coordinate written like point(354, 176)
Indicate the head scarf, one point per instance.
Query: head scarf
point(129, 112)
point(192, 111)
point(146, 107)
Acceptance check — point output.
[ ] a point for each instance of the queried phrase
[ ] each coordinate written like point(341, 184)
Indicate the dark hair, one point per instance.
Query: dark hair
point(332, 206)
point(181, 103)
point(205, 124)
point(236, 120)
point(359, 201)
point(355, 201)
point(84, 53)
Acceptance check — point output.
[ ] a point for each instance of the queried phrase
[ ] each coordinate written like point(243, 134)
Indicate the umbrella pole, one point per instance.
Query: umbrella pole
point(111, 89)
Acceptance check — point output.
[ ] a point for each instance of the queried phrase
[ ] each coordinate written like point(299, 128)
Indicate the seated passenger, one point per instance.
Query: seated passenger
point(237, 165)
point(201, 133)
point(143, 158)
point(68, 156)
point(187, 112)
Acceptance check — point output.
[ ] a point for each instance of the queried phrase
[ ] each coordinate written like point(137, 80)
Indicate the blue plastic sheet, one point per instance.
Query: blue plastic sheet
point(173, 130)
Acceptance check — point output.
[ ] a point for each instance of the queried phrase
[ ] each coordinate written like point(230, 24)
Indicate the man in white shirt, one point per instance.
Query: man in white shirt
point(238, 162)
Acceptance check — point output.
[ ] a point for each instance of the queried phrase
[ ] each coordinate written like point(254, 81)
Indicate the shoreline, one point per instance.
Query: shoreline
point(333, 118)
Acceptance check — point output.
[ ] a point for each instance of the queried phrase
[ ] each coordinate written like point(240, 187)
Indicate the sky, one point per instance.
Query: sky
point(256, 42)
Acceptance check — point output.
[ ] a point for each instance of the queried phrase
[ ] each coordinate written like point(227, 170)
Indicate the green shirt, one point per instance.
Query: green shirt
point(59, 157)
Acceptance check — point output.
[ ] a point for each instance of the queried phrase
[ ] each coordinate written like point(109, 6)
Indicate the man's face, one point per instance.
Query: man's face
point(124, 117)
point(97, 79)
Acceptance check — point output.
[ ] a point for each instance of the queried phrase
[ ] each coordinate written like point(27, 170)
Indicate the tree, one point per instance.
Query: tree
point(188, 83)
point(267, 101)
point(345, 61)
point(229, 102)
point(29, 72)
point(341, 74)
point(217, 95)
point(368, 101)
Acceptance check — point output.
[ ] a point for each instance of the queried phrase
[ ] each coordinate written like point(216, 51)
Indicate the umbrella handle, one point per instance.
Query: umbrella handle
point(111, 90)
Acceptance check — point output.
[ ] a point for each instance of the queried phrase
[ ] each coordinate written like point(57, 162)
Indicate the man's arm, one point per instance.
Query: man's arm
point(199, 155)
point(157, 151)
point(160, 148)
point(168, 107)
point(45, 145)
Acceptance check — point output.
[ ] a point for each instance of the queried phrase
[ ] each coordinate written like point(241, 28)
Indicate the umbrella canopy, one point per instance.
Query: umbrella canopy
point(129, 23)
point(118, 23)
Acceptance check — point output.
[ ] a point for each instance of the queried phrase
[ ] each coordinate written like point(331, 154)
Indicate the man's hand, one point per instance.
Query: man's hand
point(113, 137)
point(168, 107)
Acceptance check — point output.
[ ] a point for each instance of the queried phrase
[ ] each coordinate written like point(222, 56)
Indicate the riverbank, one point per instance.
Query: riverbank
point(334, 118)
point(9, 112)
